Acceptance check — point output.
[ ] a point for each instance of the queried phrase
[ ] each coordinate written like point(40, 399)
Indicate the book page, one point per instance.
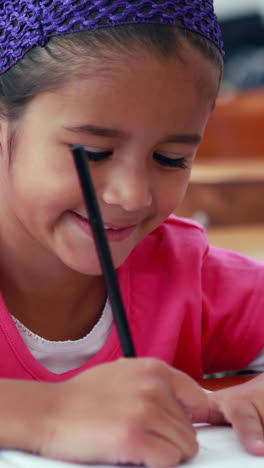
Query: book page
point(219, 447)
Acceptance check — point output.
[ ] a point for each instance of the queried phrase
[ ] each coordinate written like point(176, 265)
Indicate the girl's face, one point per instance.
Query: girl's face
point(141, 119)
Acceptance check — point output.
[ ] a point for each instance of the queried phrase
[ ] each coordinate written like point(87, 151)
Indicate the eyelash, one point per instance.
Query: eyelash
point(179, 162)
point(162, 160)
point(98, 156)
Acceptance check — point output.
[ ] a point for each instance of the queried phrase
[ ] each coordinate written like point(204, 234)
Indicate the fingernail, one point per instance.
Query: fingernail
point(259, 443)
point(257, 446)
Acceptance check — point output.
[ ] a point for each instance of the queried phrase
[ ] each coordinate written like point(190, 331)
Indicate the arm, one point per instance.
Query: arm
point(129, 411)
point(25, 407)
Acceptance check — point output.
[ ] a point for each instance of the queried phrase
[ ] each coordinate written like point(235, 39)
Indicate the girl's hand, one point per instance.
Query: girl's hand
point(243, 407)
point(135, 411)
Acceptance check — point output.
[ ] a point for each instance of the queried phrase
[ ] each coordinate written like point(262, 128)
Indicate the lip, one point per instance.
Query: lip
point(119, 234)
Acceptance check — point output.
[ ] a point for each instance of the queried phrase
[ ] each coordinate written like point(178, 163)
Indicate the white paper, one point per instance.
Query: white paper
point(219, 447)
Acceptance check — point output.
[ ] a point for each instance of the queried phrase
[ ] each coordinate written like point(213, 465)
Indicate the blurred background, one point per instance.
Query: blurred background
point(226, 193)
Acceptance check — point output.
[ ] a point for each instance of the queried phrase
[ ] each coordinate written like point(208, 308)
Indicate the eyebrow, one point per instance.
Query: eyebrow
point(187, 139)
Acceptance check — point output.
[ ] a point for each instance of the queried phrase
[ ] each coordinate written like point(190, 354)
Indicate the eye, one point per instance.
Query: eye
point(171, 162)
point(97, 155)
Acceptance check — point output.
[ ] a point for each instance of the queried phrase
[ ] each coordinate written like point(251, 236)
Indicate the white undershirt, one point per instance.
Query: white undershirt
point(62, 356)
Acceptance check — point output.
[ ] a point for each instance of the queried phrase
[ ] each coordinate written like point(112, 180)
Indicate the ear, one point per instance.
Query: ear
point(3, 117)
point(4, 134)
point(3, 127)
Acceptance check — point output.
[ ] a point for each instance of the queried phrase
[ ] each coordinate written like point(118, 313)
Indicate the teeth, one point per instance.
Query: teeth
point(83, 217)
point(107, 228)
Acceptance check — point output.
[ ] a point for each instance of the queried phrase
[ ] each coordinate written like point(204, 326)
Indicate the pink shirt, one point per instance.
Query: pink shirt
point(197, 307)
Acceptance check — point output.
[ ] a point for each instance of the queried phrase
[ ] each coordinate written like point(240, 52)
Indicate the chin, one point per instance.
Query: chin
point(91, 267)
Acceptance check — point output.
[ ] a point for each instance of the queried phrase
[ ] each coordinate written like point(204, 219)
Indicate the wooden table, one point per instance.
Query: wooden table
point(236, 125)
point(225, 193)
point(247, 239)
point(225, 382)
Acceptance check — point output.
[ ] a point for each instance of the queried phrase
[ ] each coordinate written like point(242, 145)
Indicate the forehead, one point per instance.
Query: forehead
point(137, 91)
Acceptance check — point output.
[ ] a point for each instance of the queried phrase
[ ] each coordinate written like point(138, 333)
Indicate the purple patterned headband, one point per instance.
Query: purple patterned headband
point(27, 23)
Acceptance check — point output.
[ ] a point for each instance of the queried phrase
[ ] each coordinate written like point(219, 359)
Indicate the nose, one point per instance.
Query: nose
point(128, 186)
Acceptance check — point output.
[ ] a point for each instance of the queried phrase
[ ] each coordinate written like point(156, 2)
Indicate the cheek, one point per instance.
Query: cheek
point(39, 188)
point(171, 191)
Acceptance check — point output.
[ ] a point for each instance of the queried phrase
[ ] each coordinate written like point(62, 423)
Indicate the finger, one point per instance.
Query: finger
point(248, 425)
point(151, 449)
point(176, 429)
point(160, 393)
point(162, 453)
point(184, 388)
point(190, 395)
point(214, 414)
point(160, 378)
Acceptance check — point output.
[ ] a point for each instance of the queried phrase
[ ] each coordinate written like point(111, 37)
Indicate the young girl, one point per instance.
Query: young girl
point(134, 82)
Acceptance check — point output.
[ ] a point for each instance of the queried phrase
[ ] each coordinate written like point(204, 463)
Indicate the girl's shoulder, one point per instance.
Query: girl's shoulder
point(178, 234)
point(184, 242)
point(176, 241)
point(176, 225)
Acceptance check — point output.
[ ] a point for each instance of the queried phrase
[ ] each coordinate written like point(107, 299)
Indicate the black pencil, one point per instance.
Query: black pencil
point(103, 250)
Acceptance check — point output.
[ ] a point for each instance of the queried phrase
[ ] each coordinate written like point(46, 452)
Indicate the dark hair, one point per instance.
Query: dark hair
point(43, 68)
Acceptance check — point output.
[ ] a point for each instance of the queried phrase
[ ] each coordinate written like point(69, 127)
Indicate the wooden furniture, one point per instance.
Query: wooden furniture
point(227, 182)
point(246, 239)
point(218, 384)
point(235, 127)
point(226, 193)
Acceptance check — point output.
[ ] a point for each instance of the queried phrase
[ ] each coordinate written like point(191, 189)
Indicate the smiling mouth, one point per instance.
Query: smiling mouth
point(109, 226)
point(115, 233)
